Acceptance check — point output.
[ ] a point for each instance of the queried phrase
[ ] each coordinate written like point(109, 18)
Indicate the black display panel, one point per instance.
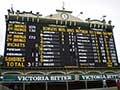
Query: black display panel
point(39, 44)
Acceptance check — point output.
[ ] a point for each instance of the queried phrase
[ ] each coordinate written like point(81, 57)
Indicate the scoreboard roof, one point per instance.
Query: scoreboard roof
point(57, 16)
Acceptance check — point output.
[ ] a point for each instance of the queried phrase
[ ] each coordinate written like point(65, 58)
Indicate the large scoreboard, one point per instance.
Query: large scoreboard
point(47, 43)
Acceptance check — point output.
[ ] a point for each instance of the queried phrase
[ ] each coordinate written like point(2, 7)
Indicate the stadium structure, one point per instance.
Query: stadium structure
point(58, 52)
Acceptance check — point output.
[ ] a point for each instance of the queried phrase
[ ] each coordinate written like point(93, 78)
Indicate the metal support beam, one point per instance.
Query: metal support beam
point(46, 85)
point(86, 86)
point(23, 86)
point(67, 86)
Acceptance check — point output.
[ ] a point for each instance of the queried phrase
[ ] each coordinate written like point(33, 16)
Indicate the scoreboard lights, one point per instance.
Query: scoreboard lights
point(45, 43)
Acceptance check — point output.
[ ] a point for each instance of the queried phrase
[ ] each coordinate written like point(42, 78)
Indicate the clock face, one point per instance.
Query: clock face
point(64, 16)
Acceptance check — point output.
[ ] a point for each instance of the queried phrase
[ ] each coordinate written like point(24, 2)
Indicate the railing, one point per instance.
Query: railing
point(110, 88)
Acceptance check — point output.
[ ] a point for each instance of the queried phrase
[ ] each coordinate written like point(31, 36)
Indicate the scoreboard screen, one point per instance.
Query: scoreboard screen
point(49, 44)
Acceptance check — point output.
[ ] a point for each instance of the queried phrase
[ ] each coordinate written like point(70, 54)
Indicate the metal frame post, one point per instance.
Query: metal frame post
point(46, 85)
point(67, 87)
point(86, 85)
point(23, 86)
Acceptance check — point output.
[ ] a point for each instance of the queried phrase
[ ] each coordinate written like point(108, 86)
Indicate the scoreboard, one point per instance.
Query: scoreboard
point(49, 43)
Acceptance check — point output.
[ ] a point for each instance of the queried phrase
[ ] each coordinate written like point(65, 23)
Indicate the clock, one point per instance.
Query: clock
point(64, 16)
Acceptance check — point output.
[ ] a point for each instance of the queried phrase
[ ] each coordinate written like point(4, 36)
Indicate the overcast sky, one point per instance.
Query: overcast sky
point(93, 9)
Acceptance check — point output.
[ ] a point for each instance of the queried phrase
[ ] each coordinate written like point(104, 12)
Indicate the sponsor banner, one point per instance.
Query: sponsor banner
point(98, 76)
point(56, 78)
point(37, 78)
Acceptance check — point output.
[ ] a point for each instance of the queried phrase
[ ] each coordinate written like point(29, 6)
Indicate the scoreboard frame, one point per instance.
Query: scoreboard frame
point(65, 29)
